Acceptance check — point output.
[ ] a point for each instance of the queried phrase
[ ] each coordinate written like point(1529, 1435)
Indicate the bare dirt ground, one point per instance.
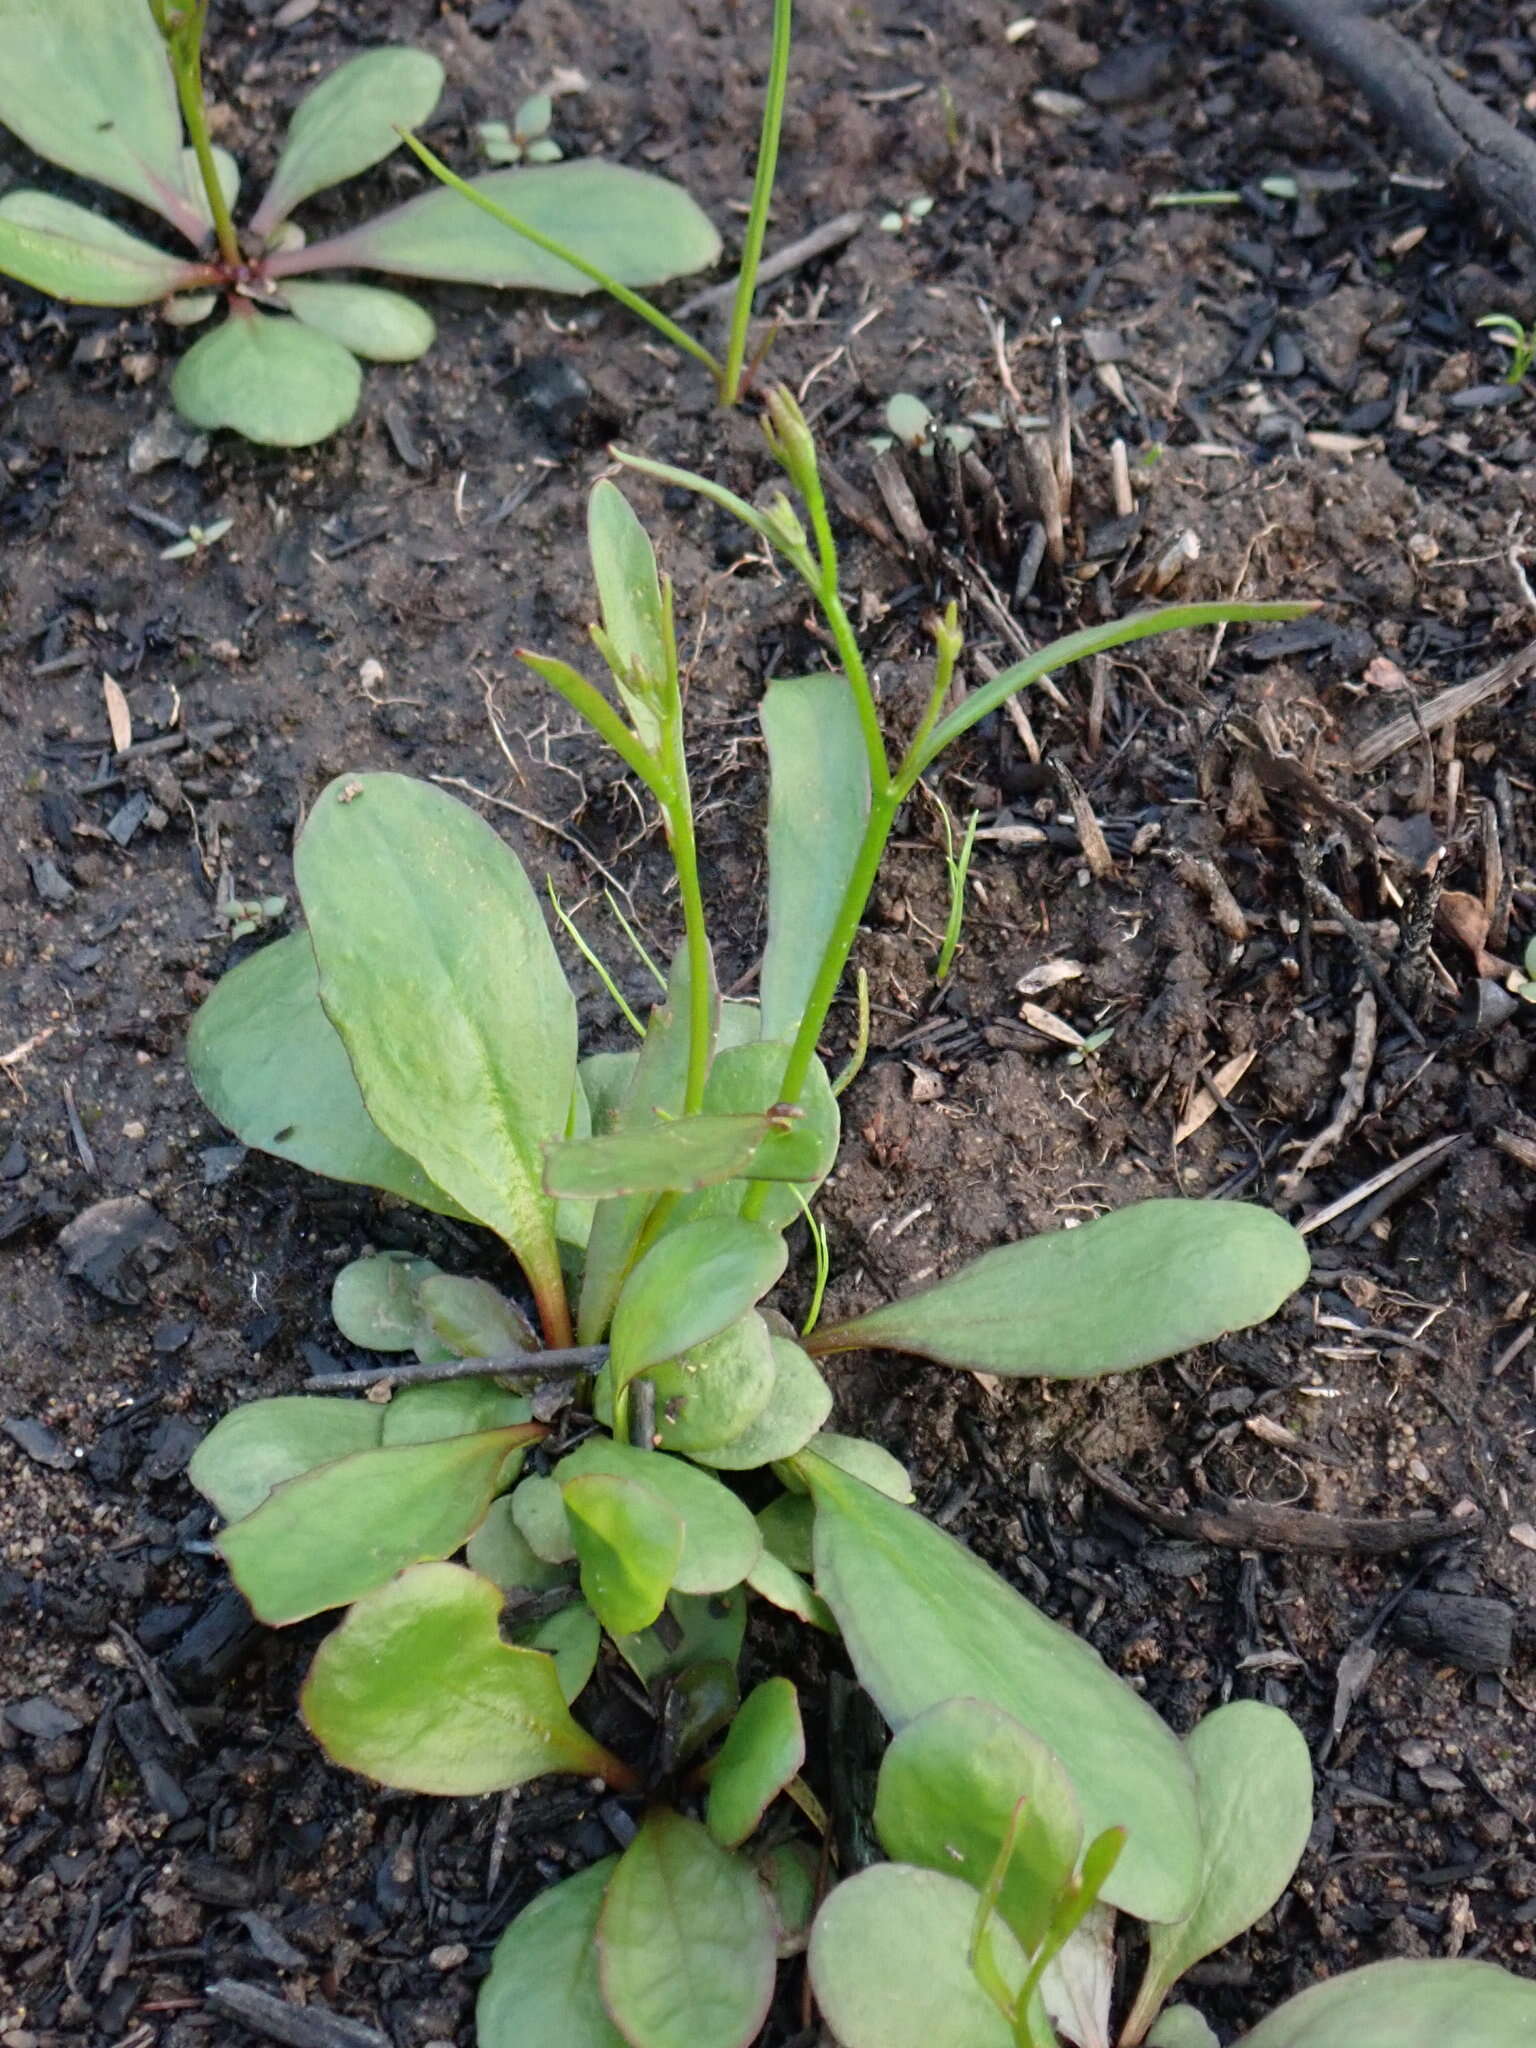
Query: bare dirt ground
point(1301, 389)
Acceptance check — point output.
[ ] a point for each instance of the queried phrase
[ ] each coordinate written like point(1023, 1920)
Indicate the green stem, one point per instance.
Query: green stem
point(762, 196)
point(640, 307)
point(685, 858)
point(883, 805)
point(184, 46)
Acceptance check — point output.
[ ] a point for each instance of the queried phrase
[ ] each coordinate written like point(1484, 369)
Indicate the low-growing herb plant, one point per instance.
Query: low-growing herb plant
point(112, 90)
point(418, 1036)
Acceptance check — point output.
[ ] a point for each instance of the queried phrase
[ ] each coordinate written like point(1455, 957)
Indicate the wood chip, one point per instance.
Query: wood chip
point(1442, 708)
point(1465, 918)
point(119, 717)
point(1524, 1533)
point(1209, 1099)
point(1049, 974)
point(1049, 1025)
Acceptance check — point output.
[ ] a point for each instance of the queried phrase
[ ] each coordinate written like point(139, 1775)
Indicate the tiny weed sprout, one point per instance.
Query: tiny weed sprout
point(625, 1458)
point(1519, 339)
point(911, 423)
point(526, 139)
point(112, 90)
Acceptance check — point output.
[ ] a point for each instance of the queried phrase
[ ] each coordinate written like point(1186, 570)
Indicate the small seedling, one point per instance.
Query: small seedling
point(113, 91)
point(527, 139)
point(1519, 339)
point(1522, 982)
point(242, 917)
point(957, 867)
point(909, 215)
point(197, 540)
point(913, 425)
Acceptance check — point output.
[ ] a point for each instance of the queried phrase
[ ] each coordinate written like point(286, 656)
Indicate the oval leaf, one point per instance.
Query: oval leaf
point(438, 972)
point(539, 1513)
point(948, 1787)
point(336, 1533)
point(572, 1636)
point(1142, 1283)
point(542, 1991)
point(1253, 1779)
point(274, 380)
point(925, 1621)
point(818, 801)
point(348, 123)
point(267, 1061)
point(692, 1152)
point(1407, 2005)
point(890, 1963)
point(259, 1446)
point(380, 326)
point(690, 1284)
point(373, 1300)
point(1182, 2027)
point(70, 253)
point(749, 1076)
point(628, 1542)
point(721, 1541)
point(685, 1941)
point(500, 1552)
point(637, 227)
point(798, 1403)
point(427, 1414)
point(774, 1582)
point(762, 1752)
point(417, 1689)
point(90, 87)
point(470, 1318)
point(711, 1393)
point(864, 1460)
point(787, 1526)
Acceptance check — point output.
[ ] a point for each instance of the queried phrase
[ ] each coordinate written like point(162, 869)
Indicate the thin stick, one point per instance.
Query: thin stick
point(1381, 1180)
point(793, 256)
point(511, 1365)
point(1454, 702)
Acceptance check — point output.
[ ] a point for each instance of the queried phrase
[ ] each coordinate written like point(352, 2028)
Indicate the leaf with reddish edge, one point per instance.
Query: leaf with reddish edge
point(90, 87)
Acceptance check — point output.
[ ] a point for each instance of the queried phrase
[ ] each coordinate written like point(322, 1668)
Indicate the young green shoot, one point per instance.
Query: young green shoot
point(957, 867)
point(1518, 339)
point(615, 993)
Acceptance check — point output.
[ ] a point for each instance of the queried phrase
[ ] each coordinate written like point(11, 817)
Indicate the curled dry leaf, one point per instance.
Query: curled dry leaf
point(1464, 918)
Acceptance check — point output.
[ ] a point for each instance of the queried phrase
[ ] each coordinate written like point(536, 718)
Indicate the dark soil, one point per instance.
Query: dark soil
point(1301, 387)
